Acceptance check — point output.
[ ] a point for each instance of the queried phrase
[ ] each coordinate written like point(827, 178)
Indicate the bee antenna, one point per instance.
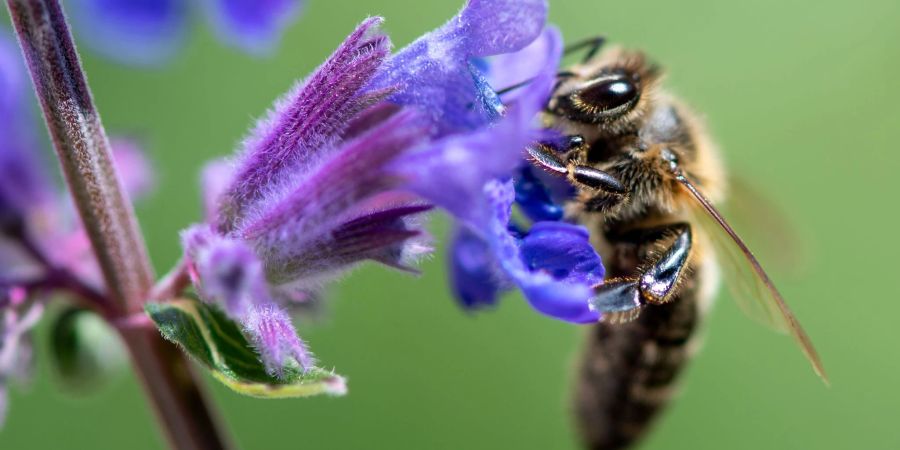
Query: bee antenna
point(559, 75)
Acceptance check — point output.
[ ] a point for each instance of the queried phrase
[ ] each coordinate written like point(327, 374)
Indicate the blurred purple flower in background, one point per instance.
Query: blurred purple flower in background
point(25, 192)
point(43, 248)
point(149, 32)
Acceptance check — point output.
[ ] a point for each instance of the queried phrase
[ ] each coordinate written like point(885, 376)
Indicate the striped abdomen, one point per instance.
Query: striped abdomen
point(627, 371)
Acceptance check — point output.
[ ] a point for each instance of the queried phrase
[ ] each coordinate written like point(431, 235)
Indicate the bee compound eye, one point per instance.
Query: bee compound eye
point(609, 94)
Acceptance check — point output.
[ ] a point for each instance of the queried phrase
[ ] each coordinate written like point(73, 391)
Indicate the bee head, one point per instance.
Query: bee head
point(609, 90)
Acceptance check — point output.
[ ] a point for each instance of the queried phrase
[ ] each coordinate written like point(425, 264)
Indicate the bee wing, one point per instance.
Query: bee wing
point(750, 285)
point(761, 218)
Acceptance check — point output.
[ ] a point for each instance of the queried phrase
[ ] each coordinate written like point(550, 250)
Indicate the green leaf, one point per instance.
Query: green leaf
point(85, 351)
point(217, 342)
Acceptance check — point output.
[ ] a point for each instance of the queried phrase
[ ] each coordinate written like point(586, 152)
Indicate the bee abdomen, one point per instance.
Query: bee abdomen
point(628, 371)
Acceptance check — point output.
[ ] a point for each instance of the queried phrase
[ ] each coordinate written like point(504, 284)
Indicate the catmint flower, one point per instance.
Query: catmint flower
point(149, 32)
point(553, 263)
point(436, 74)
point(448, 73)
point(311, 193)
point(346, 162)
point(466, 166)
point(433, 73)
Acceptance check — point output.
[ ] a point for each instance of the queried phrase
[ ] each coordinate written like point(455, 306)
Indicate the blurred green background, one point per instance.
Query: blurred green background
point(802, 96)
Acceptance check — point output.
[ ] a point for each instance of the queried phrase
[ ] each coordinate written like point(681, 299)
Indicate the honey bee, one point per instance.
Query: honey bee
point(647, 177)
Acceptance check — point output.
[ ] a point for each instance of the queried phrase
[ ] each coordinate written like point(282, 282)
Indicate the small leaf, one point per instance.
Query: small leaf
point(217, 342)
point(84, 349)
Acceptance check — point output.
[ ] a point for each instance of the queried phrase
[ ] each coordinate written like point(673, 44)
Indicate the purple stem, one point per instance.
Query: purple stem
point(62, 278)
point(108, 217)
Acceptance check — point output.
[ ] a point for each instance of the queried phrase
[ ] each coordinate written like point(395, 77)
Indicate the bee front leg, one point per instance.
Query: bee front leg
point(582, 176)
point(659, 279)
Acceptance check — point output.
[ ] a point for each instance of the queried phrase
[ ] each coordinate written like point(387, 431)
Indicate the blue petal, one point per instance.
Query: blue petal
point(135, 32)
point(556, 278)
point(254, 26)
point(534, 198)
point(500, 26)
point(474, 275)
point(432, 72)
point(24, 182)
point(510, 69)
point(563, 251)
point(567, 302)
point(452, 171)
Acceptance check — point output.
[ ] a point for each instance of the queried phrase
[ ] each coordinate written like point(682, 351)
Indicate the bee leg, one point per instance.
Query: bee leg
point(664, 270)
point(621, 299)
point(580, 175)
point(618, 299)
point(593, 45)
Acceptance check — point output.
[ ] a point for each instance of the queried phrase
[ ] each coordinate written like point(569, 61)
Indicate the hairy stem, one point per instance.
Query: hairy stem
point(108, 217)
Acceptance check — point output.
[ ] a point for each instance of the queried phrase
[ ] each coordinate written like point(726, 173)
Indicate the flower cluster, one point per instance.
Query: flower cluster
point(148, 32)
point(343, 166)
point(340, 171)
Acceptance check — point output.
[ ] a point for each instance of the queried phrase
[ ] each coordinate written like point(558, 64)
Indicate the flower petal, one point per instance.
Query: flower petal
point(534, 198)
point(392, 237)
point(563, 251)
point(309, 118)
point(536, 267)
point(509, 69)
point(501, 26)
point(452, 171)
point(474, 274)
point(227, 272)
point(432, 72)
point(294, 223)
point(272, 333)
point(214, 180)
point(253, 25)
point(135, 32)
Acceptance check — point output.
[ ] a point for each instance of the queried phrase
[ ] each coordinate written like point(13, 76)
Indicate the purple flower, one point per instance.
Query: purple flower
point(436, 75)
point(148, 32)
point(475, 274)
point(474, 151)
point(463, 171)
point(336, 172)
point(553, 263)
point(23, 180)
point(252, 25)
point(433, 72)
point(228, 272)
point(133, 167)
point(312, 192)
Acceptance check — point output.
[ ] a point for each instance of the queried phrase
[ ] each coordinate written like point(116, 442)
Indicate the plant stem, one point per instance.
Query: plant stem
point(108, 217)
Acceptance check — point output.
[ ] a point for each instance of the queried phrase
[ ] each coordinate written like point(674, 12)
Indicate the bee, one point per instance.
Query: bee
point(647, 177)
